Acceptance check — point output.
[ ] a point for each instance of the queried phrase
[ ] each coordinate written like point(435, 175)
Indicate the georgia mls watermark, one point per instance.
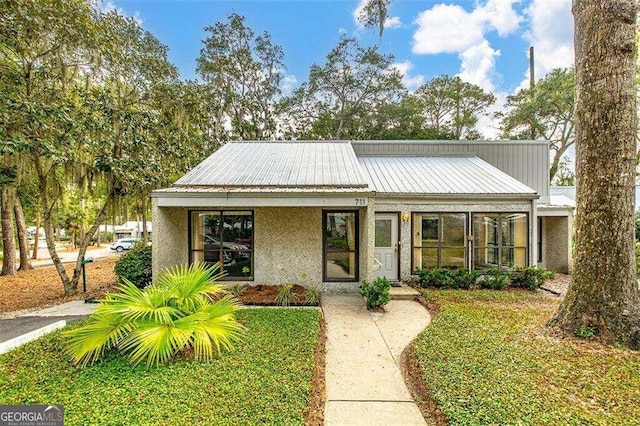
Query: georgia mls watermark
point(31, 415)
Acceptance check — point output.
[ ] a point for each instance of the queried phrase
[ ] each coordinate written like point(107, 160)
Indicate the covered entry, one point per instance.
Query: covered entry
point(386, 250)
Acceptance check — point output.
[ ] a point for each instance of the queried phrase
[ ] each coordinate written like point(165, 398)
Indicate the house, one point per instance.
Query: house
point(339, 212)
point(132, 229)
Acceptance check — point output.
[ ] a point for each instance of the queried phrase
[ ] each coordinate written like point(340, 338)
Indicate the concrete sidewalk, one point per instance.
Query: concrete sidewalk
point(22, 329)
point(363, 380)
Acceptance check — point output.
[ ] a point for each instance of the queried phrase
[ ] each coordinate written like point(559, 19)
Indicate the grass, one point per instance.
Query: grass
point(488, 359)
point(266, 379)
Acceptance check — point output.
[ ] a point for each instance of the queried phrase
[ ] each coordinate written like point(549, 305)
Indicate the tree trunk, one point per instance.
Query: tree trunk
point(145, 235)
point(36, 239)
point(23, 243)
point(603, 295)
point(8, 240)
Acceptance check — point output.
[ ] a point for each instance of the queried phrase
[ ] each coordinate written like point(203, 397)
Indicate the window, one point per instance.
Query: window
point(439, 240)
point(225, 236)
point(500, 240)
point(340, 246)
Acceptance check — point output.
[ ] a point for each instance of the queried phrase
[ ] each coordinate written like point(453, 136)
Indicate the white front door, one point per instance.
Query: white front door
point(386, 253)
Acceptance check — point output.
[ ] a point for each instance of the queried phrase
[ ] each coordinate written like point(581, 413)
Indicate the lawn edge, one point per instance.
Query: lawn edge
point(314, 413)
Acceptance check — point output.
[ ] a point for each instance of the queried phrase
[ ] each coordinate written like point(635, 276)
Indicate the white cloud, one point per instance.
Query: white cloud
point(393, 22)
point(477, 65)
point(342, 30)
point(448, 28)
point(289, 82)
point(410, 82)
point(551, 35)
point(445, 29)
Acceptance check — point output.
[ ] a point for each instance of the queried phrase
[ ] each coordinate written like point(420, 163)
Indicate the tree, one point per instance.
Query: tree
point(374, 13)
point(354, 82)
point(548, 107)
point(450, 105)
point(243, 72)
point(603, 293)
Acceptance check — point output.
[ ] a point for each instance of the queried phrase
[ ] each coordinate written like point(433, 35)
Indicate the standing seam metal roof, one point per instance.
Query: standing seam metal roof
point(283, 164)
point(438, 175)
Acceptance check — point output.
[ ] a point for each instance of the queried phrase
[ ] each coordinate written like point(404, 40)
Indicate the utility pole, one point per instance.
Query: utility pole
point(532, 86)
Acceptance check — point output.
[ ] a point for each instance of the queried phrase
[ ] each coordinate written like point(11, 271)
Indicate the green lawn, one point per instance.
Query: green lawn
point(488, 359)
point(266, 379)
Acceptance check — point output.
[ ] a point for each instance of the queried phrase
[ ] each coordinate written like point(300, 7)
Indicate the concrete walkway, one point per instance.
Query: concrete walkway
point(363, 380)
point(21, 329)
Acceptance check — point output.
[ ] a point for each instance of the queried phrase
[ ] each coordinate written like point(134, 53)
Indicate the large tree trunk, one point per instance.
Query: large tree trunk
point(36, 239)
point(23, 243)
point(8, 240)
point(603, 294)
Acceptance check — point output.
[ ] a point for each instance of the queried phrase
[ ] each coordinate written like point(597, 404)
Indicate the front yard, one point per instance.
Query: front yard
point(266, 379)
point(488, 359)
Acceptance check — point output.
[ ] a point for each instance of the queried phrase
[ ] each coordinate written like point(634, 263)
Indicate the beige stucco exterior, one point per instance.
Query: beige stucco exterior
point(557, 232)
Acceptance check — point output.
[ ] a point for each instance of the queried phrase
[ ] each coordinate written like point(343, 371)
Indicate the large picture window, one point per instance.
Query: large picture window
point(340, 246)
point(500, 240)
point(223, 236)
point(439, 240)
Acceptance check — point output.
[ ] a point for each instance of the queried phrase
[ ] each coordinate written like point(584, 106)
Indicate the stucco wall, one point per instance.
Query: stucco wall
point(170, 237)
point(556, 243)
point(409, 207)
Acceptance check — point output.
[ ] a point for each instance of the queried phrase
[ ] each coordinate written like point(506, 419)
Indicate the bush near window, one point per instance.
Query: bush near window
point(446, 278)
point(494, 279)
point(377, 294)
point(530, 278)
point(135, 266)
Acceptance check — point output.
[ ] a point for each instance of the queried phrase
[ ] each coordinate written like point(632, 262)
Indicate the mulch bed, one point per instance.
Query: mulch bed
point(265, 295)
point(42, 287)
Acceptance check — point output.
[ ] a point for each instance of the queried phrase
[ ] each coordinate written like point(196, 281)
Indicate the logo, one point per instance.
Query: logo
point(31, 415)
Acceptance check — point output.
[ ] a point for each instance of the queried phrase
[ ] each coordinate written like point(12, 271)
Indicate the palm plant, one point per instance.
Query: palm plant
point(172, 315)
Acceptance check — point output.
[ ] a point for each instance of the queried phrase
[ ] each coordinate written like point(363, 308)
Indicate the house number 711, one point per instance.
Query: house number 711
point(361, 201)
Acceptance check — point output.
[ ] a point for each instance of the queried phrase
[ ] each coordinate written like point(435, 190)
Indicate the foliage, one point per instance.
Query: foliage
point(586, 332)
point(500, 368)
point(313, 295)
point(155, 324)
point(463, 278)
point(564, 175)
point(530, 277)
point(494, 279)
point(451, 105)
point(341, 95)
point(285, 295)
point(377, 294)
point(266, 379)
point(549, 109)
point(135, 266)
point(437, 278)
point(242, 72)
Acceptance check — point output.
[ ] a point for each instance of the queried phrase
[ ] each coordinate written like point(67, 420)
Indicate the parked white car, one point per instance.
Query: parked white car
point(124, 244)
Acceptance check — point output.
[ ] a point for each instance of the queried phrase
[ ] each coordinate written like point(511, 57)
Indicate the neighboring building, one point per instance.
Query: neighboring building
point(339, 212)
point(132, 229)
point(570, 193)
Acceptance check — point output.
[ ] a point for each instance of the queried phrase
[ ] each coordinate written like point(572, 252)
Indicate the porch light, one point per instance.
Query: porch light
point(406, 217)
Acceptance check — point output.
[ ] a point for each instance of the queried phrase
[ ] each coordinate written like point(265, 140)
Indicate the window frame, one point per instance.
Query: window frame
point(499, 245)
point(191, 249)
point(356, 251)
point(440, 246)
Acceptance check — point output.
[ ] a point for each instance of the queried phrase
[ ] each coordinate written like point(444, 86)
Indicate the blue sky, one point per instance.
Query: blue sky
point(485, 42)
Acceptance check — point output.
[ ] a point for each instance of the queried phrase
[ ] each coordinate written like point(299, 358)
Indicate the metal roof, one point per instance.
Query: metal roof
point(439, 175)
point(279, 164)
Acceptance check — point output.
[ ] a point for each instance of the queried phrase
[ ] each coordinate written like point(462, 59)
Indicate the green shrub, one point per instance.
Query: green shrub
point(377, 294)
point(285, 295)
point(494, 279)
point(135, 266)
point(236, 289)
point(463, 278)
point(173, 315)
point(313, 295)
point(437, 278)
point(530, 277)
